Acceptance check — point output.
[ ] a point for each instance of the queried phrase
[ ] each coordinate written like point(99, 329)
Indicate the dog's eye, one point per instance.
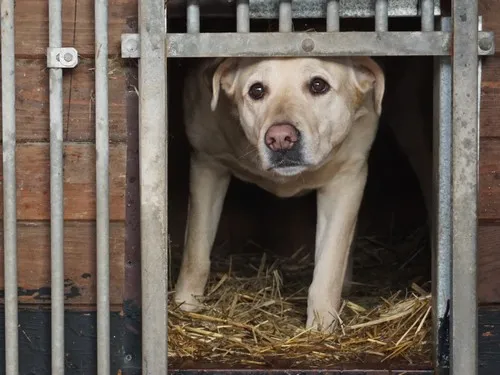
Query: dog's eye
point(318, 86)
point(256, 91)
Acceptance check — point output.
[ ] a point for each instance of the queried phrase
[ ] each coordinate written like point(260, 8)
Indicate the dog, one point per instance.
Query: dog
point(290, 126)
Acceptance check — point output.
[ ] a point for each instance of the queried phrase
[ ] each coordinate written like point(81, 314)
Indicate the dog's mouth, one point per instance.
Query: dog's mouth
point(289, 171)
point(288, 167)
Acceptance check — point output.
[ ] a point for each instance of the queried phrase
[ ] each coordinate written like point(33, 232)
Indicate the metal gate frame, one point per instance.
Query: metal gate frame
point(456, 46)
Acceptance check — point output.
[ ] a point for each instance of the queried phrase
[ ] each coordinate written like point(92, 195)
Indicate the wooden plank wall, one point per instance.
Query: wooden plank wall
point(32, 109)
point(489, 185)
point(79, 164)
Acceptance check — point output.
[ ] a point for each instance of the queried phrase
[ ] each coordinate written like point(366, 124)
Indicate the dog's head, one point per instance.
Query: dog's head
point(295, 111)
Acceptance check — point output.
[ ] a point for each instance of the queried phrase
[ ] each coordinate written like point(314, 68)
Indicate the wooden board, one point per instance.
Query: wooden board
point(79, 262)
point(489, 264)
point(489, 179)
point(490, 96)
point(489, 10)
point(32, 101)
point(32, 26)
point(33, 176)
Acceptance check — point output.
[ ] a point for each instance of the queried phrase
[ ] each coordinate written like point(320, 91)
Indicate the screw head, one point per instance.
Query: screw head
point(307, 45)
point(131, 45)
point(68, 57)
point(485, 43)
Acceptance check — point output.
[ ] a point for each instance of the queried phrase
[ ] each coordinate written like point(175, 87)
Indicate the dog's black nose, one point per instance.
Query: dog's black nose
point(281, 137)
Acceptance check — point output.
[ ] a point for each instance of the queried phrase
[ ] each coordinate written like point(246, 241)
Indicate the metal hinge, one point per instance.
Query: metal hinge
point(131, 46)
point(62, 57)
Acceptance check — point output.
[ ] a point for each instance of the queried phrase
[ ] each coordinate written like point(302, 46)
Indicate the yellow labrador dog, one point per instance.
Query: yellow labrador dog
point(289, 125)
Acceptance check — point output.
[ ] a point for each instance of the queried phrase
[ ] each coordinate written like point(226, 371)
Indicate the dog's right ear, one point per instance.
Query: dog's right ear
point(224, 76)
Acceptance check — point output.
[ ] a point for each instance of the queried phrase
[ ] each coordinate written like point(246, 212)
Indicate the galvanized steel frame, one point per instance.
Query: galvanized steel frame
point(457, 75)
point(456, 48)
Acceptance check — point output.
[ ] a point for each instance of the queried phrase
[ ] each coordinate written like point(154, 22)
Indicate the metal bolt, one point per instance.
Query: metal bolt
point(131, 45)
point(485, 44)
point(307, 45)
point(68, 57)
point(128, 357)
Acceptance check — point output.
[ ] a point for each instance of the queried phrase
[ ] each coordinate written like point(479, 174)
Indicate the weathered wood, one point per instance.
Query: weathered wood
point(489, 264)
point(79, 262)
point(490, 9)
point(33, 167)
point(490, 96)
point(32, 101)
point(489, 179)
point(32, 24)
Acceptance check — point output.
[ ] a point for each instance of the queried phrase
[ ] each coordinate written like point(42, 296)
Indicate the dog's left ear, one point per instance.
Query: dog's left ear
point(367, 76)
point(224, 76)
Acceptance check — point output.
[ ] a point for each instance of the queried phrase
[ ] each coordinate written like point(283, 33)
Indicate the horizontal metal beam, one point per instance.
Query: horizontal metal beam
point(318, 44)
point(269, 9)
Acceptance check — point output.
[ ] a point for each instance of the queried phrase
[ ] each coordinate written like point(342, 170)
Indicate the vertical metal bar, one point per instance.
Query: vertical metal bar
point(285, 16)
point(442, 225)
point(427, 15)
point(242, 16)
point(153, 177)
point(193, 16)
point(9, 186)
point(332, 15)
point(56, 194)
point(102, 185)
point(464, 188)
point(381, 15)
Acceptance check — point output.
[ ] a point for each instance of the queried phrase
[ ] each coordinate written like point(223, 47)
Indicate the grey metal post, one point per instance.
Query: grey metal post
point(242, 16)
point(9, 186)
point(464, 188)
point(381, 15)
point(56, 194)
point(193, 16)
point(332, 15)
point(285, 16)
point(102, 185)
point(441, 226)
point(427, 19)
point(153, 178)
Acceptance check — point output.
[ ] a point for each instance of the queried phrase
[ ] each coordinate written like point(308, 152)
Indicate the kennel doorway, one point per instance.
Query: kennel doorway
point(457, 73)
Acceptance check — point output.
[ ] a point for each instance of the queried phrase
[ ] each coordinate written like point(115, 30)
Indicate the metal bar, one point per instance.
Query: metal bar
point(153, 184)
point(464, 188)
point(435, 43)
point(102, 185)
point(285, 17)
point(302, 9)
point(427, 15)
point(332, 15)
point(193, 16)
point(9, 186)
point(441, 228)
point(381, 15)
point(56, 194)
point(242, 16)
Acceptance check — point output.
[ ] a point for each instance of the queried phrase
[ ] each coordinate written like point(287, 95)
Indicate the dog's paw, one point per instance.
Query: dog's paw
point(187, 302)
point(322, 317)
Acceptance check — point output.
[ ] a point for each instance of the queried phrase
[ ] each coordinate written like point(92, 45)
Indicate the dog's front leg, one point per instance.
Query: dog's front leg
point(338, 205)
point(208, 186)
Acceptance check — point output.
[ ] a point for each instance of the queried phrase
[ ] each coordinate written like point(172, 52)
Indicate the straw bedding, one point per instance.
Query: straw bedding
point(255, 311)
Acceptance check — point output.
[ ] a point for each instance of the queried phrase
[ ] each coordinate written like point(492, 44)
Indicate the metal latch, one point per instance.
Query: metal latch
point(62, 57)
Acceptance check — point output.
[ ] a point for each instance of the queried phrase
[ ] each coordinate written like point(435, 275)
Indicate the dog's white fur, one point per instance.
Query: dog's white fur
point(226, 131)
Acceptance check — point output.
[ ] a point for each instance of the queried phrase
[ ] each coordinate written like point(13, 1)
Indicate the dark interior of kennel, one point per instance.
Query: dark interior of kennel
point(388, 218)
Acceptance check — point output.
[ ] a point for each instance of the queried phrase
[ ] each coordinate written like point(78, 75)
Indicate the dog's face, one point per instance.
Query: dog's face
point(295, 111)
